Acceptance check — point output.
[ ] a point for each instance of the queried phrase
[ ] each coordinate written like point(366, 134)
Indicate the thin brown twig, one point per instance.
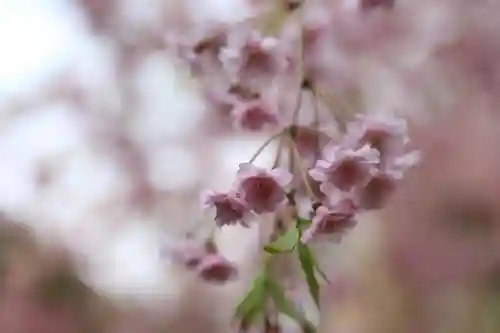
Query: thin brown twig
point(302, 170)
point(264, 145)
point(279, 152)
point(344, 108)
point(295, 121)
point(315, 123)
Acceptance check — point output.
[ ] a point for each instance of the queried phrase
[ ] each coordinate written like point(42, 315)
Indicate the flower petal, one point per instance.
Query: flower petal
point(282, 176)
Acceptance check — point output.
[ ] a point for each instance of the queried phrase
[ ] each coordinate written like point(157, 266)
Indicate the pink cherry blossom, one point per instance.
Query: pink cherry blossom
point(188, 253)
point(344, 168)
point(215, 268)
point(385, 133)
point(262, 189)
point(199, 48)
point(374, 194)
point(254, 115)
point(202, 257)
point(400, 164)
point(248, 55)
point(309, 141)
point(230, 208)
point(331, 221)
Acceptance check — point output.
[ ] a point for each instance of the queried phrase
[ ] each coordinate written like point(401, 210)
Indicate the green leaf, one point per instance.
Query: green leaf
point(253, 303)
point(302, 224)
point(318, 269)
point(308, 265)
point(285, 243)
point(252, 316)
point(321, 272)
point(286, 306)
point(308, 262)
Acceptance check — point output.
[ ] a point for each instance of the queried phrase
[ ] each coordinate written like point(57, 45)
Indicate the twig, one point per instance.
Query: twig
point(315, 123)
point(302, 169)
point(279, 152)
point(264, 145)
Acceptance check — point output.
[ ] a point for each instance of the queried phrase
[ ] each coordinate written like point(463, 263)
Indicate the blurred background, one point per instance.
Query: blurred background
point(106, 141)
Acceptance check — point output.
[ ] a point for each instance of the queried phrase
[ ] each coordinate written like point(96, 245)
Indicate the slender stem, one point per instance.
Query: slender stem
point(264, 145)
point(302, 170)
point(315, 123)
point(315, 109)
point(279, 152)
point(295, 121)
point(293, 154)
point(344, 108)
point(298, 103)
point(278, 223)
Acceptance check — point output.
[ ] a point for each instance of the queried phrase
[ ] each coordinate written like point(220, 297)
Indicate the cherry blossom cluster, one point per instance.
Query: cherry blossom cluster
point(359, 173)
point(249, 69)
point(203, 258)
point(235, 63)
point(256, 190)
point(354, 175)
point(259, 76)
point(247, 75)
